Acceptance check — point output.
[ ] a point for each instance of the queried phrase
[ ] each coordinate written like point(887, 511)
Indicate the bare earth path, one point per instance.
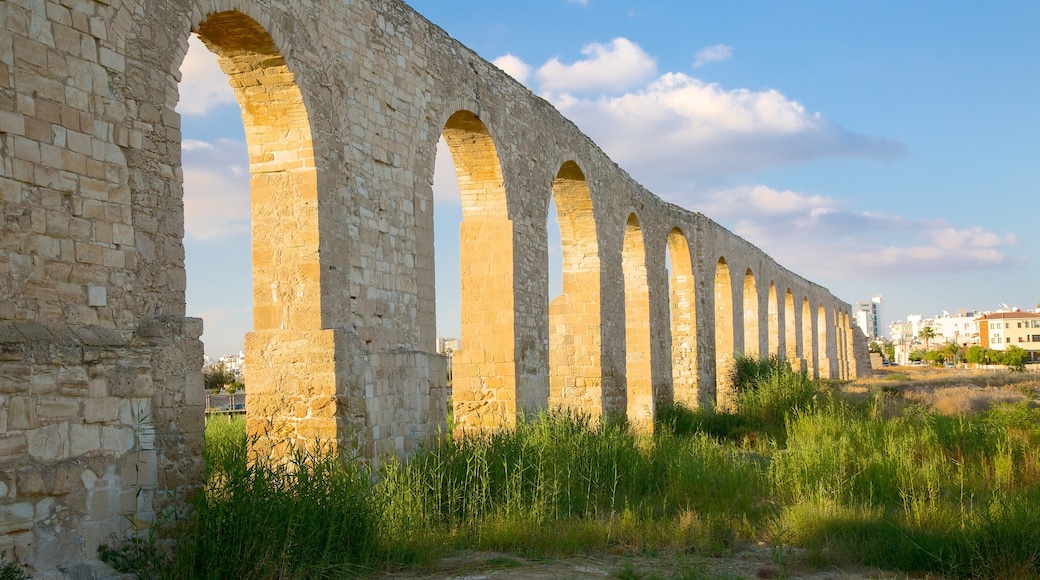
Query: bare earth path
point(750, 562)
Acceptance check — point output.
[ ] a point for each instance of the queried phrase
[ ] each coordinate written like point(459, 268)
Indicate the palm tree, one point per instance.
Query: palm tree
point(927, 334)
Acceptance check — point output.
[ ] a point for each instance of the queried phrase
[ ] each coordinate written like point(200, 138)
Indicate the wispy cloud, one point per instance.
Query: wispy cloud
point(617, 66)
point(216, 188)
point(710, 54)
point(823, 237)
point(204, 86)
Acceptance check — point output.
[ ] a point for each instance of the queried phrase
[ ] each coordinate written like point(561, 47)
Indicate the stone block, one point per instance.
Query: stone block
point(57, 409)
point(21, 414)
point(105, 410)
point(16, 517)
point(97, 296)
point(49, 443)
point(117, 440)
point(12, 446)
point(84, 439)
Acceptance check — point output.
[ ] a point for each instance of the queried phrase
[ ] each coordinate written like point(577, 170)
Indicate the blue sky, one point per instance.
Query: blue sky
point(874, 147)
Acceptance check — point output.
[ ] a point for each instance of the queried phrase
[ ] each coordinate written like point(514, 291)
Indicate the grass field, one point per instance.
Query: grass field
point(862, 474)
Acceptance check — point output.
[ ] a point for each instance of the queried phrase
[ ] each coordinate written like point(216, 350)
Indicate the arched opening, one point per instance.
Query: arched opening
point(792, 338)
point(215, 168)
point(639, 386)
point(484, 391)
point(286, 271)
point(752, 337)
point(823, 359)
point(808, 339)
point(683, 305)
point(724, 337)
point(575, 374)
point(773, 315)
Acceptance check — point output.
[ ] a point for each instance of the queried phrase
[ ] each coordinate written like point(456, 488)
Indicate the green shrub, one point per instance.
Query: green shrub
point(11, 570)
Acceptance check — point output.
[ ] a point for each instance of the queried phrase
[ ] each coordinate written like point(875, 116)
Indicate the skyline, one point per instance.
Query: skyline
point(870, 153)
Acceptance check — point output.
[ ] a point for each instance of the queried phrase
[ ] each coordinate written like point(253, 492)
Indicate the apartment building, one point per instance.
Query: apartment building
point(998, 330)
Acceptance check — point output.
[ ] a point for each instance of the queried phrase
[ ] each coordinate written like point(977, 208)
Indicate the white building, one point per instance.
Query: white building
point(869, 318)
point(961, 329)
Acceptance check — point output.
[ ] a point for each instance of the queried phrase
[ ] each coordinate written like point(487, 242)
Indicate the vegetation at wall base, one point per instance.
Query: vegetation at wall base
point(11, 570)
point(875, 481)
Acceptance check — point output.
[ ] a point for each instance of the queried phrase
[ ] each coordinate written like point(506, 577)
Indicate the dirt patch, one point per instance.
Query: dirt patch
point(750, 562)
point(950, 391)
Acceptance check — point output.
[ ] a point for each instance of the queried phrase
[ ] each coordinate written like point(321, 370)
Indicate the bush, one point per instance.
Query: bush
point(11, 570)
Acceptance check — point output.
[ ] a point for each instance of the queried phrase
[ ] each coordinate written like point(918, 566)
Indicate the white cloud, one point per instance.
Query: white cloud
point(613, 67)
point(678, 127)
point(445, 178)
point(824, 238)
point(716, 53)
point(216, 188)
point(514, 67)
point(203, 86)
point(579, 2)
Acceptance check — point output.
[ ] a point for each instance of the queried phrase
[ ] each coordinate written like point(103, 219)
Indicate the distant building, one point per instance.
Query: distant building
point(446, 346)
point(999, 330)
point(868, 317)
point(961, 329)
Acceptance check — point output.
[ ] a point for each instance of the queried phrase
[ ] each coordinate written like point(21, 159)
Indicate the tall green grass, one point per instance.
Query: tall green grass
point(873, 482)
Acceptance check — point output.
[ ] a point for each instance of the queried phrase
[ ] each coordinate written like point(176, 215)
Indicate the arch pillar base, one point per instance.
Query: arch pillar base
point(725, 389)
point(483, 392)
point(302, 392)
point(825, 371)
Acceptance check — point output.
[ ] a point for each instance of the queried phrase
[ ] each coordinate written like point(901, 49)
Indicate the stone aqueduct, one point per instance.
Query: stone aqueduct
point(101, 392)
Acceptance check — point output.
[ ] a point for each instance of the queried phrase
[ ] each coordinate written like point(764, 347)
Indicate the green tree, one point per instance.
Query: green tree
point(953, 351)
point(937, 357)
point(1015, 358)
point(917, 354)
point(216, 376)
point(890, 350)
point(875, 346)
point(976, 354)
point(927, 334)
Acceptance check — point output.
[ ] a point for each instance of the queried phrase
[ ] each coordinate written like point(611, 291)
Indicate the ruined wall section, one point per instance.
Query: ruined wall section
point(95, 432)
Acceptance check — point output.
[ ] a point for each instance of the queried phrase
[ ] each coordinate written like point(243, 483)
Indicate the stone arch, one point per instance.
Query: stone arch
point(286, 258)
point(752, 336)
point(808, 339)
point(683, 305)
point(638, 373)
point(774, 339)
point(575, 340)
point(484, 387)
point(823, 337)
point(725, 344)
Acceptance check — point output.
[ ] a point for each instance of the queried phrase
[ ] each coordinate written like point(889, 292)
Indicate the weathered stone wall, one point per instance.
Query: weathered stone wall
point(94, 430)
point(343, 104)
